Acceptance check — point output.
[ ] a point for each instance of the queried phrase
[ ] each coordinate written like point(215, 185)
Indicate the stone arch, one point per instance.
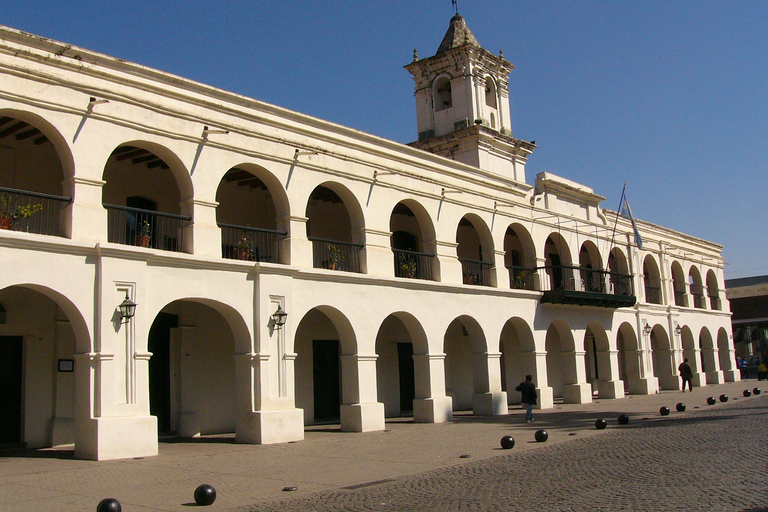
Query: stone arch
point(475, 251)
point(325, 377)
point(709, 360)
point(601, 363)
point(37, 167)
point(562, 371)
point(442, 93)
point(335, 226)
point(520, 257)
point(678, 284)
point(558, 263)
point(401, 376)
point(413, 241)
point(468, 374)
point(590, 268)
point(252, 213)
point(147, 194)
point(663, 358)
point(518, 356)
point(696, 287)
point(620, 280)
point(652, 280)
point(192, 372)
point(43, 407)
point(630, 358)
point(713, 291)
point(724, 352)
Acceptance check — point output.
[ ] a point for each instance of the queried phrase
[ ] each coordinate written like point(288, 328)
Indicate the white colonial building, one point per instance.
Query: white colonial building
point(417, 279)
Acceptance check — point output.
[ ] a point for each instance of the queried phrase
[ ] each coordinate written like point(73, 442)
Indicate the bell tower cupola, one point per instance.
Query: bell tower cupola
point(462, 104)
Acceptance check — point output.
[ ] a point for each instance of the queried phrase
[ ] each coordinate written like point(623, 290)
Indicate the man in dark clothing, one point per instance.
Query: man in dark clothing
point(528, 391)
point(686, 373)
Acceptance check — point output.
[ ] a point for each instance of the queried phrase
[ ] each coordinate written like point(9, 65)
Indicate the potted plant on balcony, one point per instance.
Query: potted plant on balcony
point(408, 266)
point(335, 257)
point(145, 234)
point(9, 214)
point(245, 249)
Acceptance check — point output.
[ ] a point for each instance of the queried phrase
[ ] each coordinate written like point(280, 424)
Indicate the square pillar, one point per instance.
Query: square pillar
point(431, 405)
point(360, 410)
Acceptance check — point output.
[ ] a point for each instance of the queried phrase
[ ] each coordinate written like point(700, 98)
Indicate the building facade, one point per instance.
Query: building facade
point(748, 299)
point(417, 279)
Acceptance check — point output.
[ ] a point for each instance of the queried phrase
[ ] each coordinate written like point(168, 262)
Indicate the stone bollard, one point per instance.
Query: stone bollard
point(507, 442)
point(600, 424)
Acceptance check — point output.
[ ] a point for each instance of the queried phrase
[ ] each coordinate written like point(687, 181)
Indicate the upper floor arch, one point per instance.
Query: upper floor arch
point(252, 213)
point(335, 226)
point(652, 280)
point(519, 257)
point(147, 193)
point(413, 241)
point(679, 284)
point(475, 250)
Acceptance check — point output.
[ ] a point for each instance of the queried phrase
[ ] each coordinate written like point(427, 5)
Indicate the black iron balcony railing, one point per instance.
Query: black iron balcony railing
point(31, 212)
point(336, 255)
point(521, 278)
point(250, 244)
point(477, 273)
point(714, 302)
point(679, 298)
point(413, 265)
point(562, 284)
point(145, 228)
point(697, 292)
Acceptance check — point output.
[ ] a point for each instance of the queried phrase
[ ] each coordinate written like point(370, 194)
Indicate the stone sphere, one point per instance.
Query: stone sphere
point(664, 410)
point(541, 436)
point(756, 391)
point(623, 419)
point(680, 407)
point(747, 392)
point(205, 495)
point(711, 400)
point(723, 397)
point(600, 424)
point(109, 505)
point(507, 442)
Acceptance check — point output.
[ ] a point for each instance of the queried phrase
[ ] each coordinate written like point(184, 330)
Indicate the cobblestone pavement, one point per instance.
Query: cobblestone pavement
point(714, 459)
point(706, 458)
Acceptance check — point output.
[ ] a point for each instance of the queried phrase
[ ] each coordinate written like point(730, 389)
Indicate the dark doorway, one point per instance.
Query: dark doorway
point(159, 344)
point(404, 241)
point(11, 350)
point(557, 271)
point(327, 379)
point(407, 388)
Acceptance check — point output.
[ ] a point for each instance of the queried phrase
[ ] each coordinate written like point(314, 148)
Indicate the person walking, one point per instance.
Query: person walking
point(686, 373)
point(528, 391)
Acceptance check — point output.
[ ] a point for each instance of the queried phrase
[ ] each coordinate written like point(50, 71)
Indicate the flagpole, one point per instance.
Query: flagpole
point(616, 221)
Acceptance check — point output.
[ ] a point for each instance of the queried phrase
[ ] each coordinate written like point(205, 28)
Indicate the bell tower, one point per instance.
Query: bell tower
point(462, 105)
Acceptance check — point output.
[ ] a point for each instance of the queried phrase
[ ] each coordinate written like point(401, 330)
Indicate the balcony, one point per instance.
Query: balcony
point(585, 287)
point(250, 244)
point(521, 278)
point(145, 228)
point(477, 273)
point(336, 255)
point(30, 212)
point(413, 265)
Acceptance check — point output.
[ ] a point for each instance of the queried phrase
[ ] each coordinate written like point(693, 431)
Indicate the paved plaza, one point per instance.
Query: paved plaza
point(708, 458)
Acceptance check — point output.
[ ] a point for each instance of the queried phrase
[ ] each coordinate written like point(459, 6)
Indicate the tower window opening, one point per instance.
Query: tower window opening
point(443, 98)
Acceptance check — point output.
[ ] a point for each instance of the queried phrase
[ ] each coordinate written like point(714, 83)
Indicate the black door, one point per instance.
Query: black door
point(10, 384)
point(407, 389)
point(160, 370)
point(327, 377)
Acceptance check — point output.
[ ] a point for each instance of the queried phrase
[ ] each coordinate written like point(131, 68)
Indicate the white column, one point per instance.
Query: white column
point(360, 410)
point(431, 404)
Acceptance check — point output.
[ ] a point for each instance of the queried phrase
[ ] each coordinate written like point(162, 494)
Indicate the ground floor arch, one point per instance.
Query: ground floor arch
point(602, 363)
point(193, 383)
point(39, 342)
point(334, 382)
point(663, 357)
point(472, 373)
point(518, 356)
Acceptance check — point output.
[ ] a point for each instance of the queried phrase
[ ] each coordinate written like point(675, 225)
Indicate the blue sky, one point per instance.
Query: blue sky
point(671, 96)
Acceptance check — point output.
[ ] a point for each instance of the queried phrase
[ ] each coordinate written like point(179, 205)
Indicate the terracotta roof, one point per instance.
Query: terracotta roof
point(458, 35)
